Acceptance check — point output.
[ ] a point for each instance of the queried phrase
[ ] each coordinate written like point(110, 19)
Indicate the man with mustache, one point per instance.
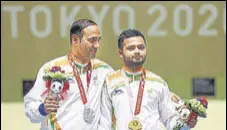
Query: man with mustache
point(138, 98)
point(80, 108)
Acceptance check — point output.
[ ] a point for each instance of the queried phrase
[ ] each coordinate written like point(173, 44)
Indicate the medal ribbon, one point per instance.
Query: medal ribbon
point(140, 93)
point(78, 79)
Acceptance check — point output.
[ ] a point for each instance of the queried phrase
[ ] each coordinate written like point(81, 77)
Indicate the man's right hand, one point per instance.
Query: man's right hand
point(51, 103)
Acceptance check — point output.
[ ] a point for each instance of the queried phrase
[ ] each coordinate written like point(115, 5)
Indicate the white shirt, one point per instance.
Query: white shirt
point(70, 114)
point(120, 95)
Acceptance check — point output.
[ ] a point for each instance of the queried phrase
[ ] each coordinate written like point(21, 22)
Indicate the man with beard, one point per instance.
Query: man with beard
point(137, 98)
point(79, 106)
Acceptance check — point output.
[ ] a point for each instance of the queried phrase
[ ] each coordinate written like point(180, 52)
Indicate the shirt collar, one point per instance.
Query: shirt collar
point(133, 75)
point(82, 68)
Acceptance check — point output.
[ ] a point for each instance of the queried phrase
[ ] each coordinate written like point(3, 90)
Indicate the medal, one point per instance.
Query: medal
point(135, 125)
point(88, 115)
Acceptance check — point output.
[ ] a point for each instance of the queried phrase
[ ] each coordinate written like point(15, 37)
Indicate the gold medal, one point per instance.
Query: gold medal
point(135, 125)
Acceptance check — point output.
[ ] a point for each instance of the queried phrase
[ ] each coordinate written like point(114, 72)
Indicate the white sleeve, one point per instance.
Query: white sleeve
point(169, 115)
point(34, 108)
point(106, 110)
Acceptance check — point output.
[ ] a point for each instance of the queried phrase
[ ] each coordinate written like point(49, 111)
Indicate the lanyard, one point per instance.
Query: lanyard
point(78, 79)
point(140, 93)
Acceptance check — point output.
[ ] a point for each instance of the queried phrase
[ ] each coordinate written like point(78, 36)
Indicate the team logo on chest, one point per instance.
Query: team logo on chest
point(96, 82)
point(149, 90)
point(71, 80)
point(117, 92)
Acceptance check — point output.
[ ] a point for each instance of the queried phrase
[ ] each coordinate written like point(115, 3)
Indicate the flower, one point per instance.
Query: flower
point(56, 73)
point(55, 69)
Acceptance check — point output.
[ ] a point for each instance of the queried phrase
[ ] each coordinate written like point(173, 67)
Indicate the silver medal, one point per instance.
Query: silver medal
point(88, 115)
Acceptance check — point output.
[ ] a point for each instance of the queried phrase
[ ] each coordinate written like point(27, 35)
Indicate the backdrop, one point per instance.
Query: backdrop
point(185, 41)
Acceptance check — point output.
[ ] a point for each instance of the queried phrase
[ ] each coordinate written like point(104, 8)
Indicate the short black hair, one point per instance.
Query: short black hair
point(78, 26)
point(127, 34)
